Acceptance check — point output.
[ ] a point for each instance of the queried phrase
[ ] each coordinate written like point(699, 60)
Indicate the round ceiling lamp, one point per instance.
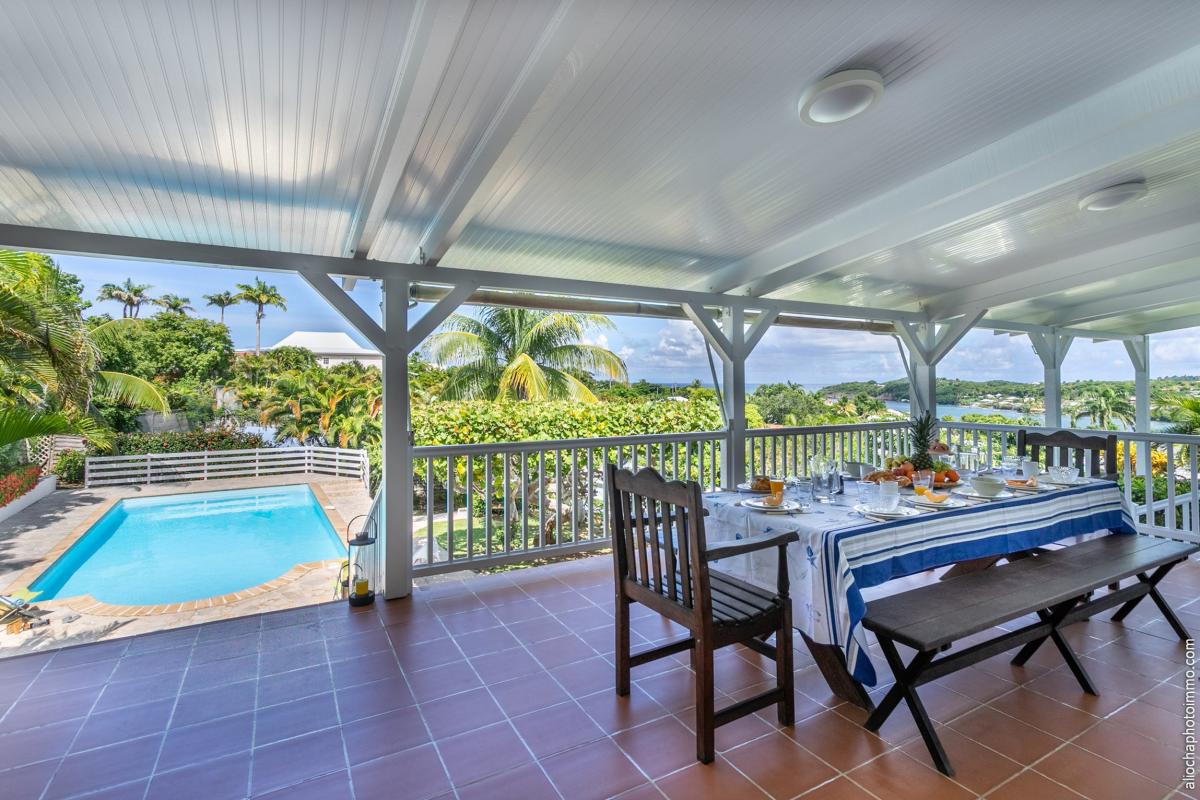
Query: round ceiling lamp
point(1110, 197)
point(840, 96)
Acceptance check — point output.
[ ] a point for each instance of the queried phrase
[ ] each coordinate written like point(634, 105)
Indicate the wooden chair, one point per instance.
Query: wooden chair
point(1065, 448)
point(662, 561)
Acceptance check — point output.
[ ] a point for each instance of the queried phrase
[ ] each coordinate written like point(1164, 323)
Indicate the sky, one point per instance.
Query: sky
point(665, 351)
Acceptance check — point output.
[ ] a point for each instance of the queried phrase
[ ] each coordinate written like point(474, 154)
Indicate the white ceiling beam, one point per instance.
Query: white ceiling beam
point(47, 240)
point(344, 304)
point(1107, 263)
point(1166, 296)
point(1167, 325)
point(1145, 112)
point(455, 211)
point(433, 32)
point(1001, 327)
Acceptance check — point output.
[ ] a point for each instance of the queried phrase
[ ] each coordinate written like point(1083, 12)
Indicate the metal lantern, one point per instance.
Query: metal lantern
point(360, 560)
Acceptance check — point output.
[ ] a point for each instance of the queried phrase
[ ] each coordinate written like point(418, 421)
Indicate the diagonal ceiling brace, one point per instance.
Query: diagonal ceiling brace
point(344, 304)
point(440, 312)
point(711, 330)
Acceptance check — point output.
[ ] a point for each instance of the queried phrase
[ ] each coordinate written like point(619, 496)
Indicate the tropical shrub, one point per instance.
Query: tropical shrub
point(182, 442)
point(18, 482)
point(68, 466)
point(1158, 459)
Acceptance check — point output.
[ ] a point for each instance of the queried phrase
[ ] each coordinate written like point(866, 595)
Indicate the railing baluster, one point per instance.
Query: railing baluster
point(450, 465)
point(541, 482)
point(1170, 482)
point(429, 484)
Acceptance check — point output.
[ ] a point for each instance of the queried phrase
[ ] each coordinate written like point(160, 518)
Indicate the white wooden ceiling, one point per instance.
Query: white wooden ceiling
point(641, 142)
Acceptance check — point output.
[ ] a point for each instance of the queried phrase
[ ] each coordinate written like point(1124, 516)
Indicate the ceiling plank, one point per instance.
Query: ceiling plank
point(1146, 112)
point(1107, 263)
point(454, 213)
point(432, 35)
point(1122, 303)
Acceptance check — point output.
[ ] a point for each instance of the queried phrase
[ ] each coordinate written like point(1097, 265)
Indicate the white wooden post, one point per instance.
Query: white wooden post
point(922, 346)
point(1139, 353)
point(397, 488)
point(1051, 348)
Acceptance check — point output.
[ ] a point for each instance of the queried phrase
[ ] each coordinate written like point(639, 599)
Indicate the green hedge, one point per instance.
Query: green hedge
point(128, 444)
point(68, 466)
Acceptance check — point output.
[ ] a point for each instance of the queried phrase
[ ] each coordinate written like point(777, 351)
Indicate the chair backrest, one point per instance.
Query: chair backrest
point(1066, 448)
point(859, 469)
point(658, 540)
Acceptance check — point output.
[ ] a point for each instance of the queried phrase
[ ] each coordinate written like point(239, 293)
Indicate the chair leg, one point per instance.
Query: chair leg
point(785, 678)
point(705, 712)
point(622, 652)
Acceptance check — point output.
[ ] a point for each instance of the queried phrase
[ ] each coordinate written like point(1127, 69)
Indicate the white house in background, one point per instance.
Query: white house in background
point(330, 348)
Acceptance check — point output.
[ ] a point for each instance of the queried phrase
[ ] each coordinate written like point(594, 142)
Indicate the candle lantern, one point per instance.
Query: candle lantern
point(361, 563)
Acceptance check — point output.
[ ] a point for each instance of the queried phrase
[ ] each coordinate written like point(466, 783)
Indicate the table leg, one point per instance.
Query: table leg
point(832, 663)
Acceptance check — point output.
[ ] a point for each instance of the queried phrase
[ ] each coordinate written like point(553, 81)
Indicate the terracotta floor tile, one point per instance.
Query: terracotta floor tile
point(976, 683)
point(104, 767)
point(424, 776)
point(1147, 757)
point(448, 679)
point(593, 771)
point(295, 760)
point(838, 789)
point(674, 690)
point(309, 654)
point(614, 713)
point(526, 782)
point(477, 754)
point(837, 740)
point(557, 728)
point(521, 695)
point(561, 650)
point(210, 704)
point(35, 711)
point(780, 766)
point(1031, 785)
point(334, 786)
point(220, 673)
point(227, 778)
point(364, 669)
point(140, 690)
point(659, 747)
point(1097, 778)
point(207, 740)
point(715, 781)
point(450, 716)
point(1044, 713)
point(413, 657)
point(384, 734)
point(489, 640)
point(37, 744)
point(895, 776)
point(504, 664)
point(1006, 735)
point(283, 721)
point(131, 722)
point(740, 731)
point(975, 766)
point(1151, 721)
point(367, 699)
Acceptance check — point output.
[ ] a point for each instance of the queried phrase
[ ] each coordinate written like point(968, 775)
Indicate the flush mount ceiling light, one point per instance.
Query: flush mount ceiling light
point(1110, 197)
point(840, 96)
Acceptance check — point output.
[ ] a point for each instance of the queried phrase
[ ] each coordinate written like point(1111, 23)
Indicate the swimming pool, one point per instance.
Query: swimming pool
point(177, 548)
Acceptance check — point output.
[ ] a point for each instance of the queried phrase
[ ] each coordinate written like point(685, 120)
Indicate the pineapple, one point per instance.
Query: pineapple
point(922, 433)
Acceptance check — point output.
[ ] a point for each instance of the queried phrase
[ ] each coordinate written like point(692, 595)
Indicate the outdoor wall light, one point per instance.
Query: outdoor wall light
point(840, 96)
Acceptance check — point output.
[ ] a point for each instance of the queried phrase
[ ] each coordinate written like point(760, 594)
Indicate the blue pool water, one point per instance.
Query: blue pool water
point(152, 550)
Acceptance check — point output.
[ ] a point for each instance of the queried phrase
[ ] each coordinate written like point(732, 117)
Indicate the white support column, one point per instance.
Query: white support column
point(1139, 354)
point(734, 344)
point(397, 488)
point(922, 346)
point(1051, 348)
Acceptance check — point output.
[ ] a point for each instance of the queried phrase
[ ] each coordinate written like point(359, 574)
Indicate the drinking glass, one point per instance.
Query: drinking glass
point(922, 481)
point(802, 491)
point(868, 493)
point(889, 496)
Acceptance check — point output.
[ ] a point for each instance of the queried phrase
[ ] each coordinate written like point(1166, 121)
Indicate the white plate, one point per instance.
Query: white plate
point(965, 491)
point(949, 502)
point(901, 511)
point(786, 507)
point(745, 487)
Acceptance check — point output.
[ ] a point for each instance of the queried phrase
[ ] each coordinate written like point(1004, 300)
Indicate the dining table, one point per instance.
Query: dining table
point(841, 551)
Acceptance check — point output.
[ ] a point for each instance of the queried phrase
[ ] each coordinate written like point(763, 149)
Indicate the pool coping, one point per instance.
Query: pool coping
point(86, 604)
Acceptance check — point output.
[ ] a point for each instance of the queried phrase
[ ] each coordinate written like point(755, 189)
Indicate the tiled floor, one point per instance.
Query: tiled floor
point(500, 687)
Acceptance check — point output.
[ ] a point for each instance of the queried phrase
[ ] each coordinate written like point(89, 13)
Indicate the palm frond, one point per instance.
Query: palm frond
point(523, 379)
point(18, 424)
point(130, 390)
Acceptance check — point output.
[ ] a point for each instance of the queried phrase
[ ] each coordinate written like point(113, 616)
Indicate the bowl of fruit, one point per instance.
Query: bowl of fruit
point(926, 453)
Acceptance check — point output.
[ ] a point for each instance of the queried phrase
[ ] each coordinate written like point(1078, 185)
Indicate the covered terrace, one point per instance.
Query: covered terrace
point(643, 158)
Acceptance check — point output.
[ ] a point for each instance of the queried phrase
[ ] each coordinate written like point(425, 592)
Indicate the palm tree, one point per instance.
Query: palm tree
point(260, 295)
point(174, 303)
point(131, 295)
point(50, 358)
point(222, 300)
point(522, 354)
point(1103, 405)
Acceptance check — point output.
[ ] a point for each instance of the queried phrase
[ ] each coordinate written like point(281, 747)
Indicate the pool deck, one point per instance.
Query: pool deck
point(33, 538)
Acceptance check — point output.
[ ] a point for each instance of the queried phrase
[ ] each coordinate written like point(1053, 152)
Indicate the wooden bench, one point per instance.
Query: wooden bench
point(1056, 585)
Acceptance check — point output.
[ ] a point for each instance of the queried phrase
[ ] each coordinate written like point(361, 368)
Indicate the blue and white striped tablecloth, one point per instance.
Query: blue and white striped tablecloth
point(840, 553)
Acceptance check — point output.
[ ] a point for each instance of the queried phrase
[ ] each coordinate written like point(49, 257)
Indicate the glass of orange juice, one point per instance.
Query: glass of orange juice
point(776, 497)
point(922, 481)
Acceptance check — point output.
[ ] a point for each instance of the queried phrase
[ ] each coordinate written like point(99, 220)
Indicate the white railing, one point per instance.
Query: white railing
point(486, 504)
point(786, 451)
point(209, 465)
point(1168, 504)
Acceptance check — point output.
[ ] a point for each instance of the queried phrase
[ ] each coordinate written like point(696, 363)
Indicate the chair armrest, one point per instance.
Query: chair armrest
point(750, 545)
